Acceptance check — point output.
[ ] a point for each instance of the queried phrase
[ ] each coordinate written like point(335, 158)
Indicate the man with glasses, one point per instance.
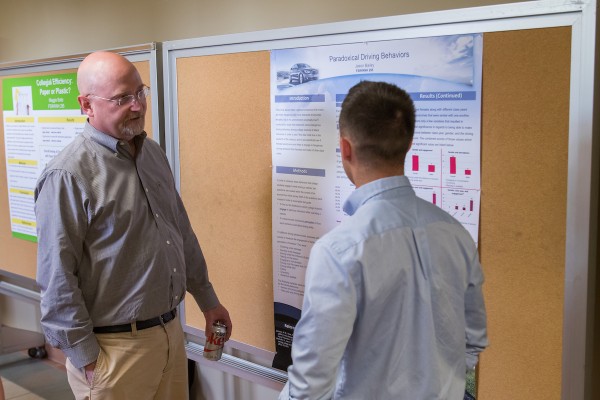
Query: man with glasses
point(116, 250)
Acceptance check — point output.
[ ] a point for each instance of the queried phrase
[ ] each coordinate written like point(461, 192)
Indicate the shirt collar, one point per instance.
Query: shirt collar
point(369, 190)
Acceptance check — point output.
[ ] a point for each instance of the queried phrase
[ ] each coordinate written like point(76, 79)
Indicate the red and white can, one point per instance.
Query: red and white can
point(213, 348)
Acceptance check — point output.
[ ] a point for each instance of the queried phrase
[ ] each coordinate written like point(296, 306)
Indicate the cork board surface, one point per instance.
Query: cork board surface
point(225, 159)
point(16, 255)
point(523, 210)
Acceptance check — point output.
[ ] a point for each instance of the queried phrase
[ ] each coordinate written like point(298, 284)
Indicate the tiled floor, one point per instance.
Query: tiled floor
point(26, 378)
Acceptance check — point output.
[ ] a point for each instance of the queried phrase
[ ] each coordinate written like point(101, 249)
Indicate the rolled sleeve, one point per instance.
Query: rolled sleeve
point(64, 317)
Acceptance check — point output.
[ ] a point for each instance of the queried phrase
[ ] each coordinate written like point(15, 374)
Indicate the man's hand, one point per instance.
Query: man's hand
point(219, 313)
point(89, 372)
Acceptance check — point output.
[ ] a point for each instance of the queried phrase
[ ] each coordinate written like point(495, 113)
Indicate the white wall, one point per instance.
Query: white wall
point(211, 384)
point(35, 29)
point(19, 314)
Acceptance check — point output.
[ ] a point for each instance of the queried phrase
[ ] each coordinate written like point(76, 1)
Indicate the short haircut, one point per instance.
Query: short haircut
point(379, 118)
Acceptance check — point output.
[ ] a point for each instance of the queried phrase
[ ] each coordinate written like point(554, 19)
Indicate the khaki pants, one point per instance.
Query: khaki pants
point(144, 365)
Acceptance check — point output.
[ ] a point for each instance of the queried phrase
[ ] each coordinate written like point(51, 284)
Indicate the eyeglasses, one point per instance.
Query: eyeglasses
point(128, 99)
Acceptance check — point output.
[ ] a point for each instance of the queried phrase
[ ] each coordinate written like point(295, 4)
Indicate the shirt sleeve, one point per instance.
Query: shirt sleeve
point(197, 281)
point(475, 315)
point(321, 336)
point(62, 221)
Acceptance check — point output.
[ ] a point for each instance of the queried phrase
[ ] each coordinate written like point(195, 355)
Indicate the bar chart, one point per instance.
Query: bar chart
point(423, 166)
point(460, 169)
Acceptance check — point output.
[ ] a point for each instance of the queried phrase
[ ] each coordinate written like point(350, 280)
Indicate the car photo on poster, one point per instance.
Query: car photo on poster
point(283, 75)
point(301, 72)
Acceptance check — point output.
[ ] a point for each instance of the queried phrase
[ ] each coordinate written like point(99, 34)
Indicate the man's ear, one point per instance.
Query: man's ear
point(346, 148)
point(86, 106)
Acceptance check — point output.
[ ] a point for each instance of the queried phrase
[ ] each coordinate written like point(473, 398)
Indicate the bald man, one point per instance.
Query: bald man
point(116, 250)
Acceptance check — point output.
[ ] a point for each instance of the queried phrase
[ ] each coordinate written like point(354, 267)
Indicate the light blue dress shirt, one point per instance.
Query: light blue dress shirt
point(393, 307)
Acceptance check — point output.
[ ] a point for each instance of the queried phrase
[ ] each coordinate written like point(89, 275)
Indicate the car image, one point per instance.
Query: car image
point(281, 75)
point(300, 73)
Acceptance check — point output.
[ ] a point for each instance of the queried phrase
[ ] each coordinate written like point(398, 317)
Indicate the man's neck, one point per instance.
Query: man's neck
point(364, 176)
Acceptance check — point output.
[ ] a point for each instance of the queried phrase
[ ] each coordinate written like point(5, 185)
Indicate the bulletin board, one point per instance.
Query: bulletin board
point(17, 256)
point(226, 183)
point(535, 153)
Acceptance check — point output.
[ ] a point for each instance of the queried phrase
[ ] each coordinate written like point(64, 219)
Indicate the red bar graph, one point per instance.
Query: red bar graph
point(467, 172)
point(431, 168)
point(471, 205)
point(434, 198)
point(453, 165)
point(415, 162)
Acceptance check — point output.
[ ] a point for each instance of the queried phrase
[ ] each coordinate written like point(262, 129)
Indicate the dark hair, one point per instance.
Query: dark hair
point(380, 120)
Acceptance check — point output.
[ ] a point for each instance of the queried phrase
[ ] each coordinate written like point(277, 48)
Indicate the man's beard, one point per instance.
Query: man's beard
point(132, 128)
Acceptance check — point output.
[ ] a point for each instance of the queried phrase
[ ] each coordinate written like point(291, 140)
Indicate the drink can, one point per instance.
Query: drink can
point(213, 348)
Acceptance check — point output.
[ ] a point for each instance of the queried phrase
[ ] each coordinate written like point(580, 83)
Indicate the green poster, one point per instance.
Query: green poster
point(40, 93)
point(41, 115)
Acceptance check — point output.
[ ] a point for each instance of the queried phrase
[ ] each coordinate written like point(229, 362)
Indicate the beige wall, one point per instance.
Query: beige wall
point(36, 29)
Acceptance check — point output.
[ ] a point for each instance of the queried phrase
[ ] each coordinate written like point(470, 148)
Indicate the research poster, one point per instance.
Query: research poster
point(308, 86)
point(41, 116)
